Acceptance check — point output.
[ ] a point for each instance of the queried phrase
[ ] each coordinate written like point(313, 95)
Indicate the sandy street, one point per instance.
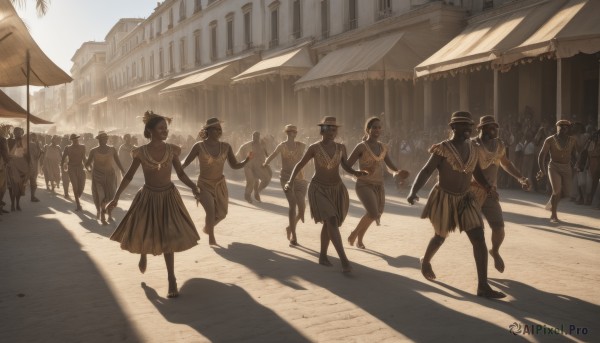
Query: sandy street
point(63, 280)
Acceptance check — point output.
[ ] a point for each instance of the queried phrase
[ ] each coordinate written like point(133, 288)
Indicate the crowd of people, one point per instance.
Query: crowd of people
point(563, 162)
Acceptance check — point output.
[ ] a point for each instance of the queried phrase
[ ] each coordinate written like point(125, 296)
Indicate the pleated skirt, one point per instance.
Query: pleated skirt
point(328, 200)
point(446, 211)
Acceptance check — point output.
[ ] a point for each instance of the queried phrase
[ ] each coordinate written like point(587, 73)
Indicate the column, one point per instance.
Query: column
point(386, 103)
point(558, 88)
point(427, 106)
point(300, 113)
point(322, 101)
point(598, 102)
point(282, 89)
point(463, 85)
point(367, 99)
point(496, 94)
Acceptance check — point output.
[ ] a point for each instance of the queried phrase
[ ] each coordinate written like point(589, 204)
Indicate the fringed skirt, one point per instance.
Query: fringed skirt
point(328, 200)
point(372, 196)
point(448, 210)
point(157, 222)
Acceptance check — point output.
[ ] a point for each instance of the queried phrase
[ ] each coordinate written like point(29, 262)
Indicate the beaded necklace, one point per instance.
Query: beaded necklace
point(157, 164)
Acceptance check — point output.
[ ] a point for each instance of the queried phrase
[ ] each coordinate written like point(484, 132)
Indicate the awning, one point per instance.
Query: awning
point(291, 63)
point(574, 28)
point(487, 36)
point(144, 88)
point(10, 109)
point(15, 44)
point(389, 57)
point(100, 101)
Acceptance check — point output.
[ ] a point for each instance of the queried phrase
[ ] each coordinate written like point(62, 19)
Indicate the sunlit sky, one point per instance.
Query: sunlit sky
point(69, 23)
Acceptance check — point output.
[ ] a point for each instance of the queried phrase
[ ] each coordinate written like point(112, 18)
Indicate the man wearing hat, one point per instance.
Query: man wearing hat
point(451, 203)
point(104, 178)
point(257, 176)
point(562, 149)
point(492, 154)
point(75, 152)
point(291, 153)
point(51, 162)
point(327, 196)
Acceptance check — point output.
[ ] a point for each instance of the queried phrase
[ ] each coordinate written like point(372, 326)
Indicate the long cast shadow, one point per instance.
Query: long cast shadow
point(393, 299)
point(223, 313)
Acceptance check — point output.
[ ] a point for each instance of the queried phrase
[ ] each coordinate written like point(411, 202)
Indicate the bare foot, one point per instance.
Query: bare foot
point(257, 197)
point(288, 232)
point(142, 263)
point(98, 214)
point(351, 238)
point(346, 267)
point(360, 245)
point(212, 240)
point(248, 198)
point(488, 292)
point(293, 242)
point(498, 262)
point(173, 292)
point(554, 220)
point(324, 261)
point(426, 270)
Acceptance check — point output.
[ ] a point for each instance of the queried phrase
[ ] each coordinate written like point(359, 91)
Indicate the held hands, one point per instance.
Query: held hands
point(287, 187)
point(111, 205)
point(400, 176)
point(540, 175)
point(525, 183)
point(412, 198)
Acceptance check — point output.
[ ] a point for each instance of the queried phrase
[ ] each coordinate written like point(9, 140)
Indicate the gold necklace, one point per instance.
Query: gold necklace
point(154, 163)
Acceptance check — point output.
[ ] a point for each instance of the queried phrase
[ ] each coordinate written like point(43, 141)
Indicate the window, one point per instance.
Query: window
point(182, 56)
point(151, 72)
point(197, 56)
point(170, 18)
point(229, 19)
point(352, 15)
point(151, 32)
point(171, 58)
point(197, 6)
point(182, 15)
point(324, 18)
point(134, 71)
point(161, 62)
point(247, 10)
point(384, 9)
point(158, 26)
point(274, 7)
point(143, 69)
point(213, 40)
point(297, 19)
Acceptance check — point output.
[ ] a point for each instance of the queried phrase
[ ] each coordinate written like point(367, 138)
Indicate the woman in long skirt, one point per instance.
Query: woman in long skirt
point(157, 221)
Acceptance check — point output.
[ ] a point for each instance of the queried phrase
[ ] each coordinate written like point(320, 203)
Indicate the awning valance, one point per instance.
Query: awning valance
point(10, 109)
point(389, 57)
point(144, 88)
point(292, 63)
point(573, 29)
point(486, 38)
point(15, 44)
point(218, 75)
point(100, 101)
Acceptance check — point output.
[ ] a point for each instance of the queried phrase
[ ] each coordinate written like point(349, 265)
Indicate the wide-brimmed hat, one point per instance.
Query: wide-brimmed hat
point(101, 134)
point(290, 127)
point(461, 117)
point(487, 120)
point(330, 121)
point(212, 122)
point(563, 122)
point(73, 136)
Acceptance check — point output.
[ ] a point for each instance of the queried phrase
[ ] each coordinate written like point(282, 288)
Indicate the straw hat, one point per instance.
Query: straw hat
point(563, 122)
point(487, 120)
point(330, 121)
point(73, 136)
point(290, 127)
point(101, 134)
point(212, 122)
point(461, 117)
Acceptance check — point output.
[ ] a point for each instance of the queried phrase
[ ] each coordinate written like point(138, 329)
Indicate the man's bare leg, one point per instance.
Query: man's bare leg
point(323, 260)
point(477, 239)
point(497, 239)
point(336, 239)
point(434, 245)
point(170, 262)
point(554, 203)
point(143, 263)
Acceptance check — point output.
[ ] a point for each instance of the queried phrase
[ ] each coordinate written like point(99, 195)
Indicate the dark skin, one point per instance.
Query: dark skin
point(76, 154)
point(102, 148)
point(373, 141)
point(330, 230)
point(456, 182)
point(15, 199)
point(157, 179)
point(213, 146)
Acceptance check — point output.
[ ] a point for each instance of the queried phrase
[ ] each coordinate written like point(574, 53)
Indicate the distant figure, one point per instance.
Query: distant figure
point(562, 149)
point(52, 157)
point(18, 168)
point(257, 176)
point(125, 151)
point(75, 153)
point(451, 203)
point(212, 154)
point(157, 221)
point(34, 153)
point(66, 181)
point(104, 178)
point(291, 153)
point(4, 159)
point(372, 156)
point(327, 196)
